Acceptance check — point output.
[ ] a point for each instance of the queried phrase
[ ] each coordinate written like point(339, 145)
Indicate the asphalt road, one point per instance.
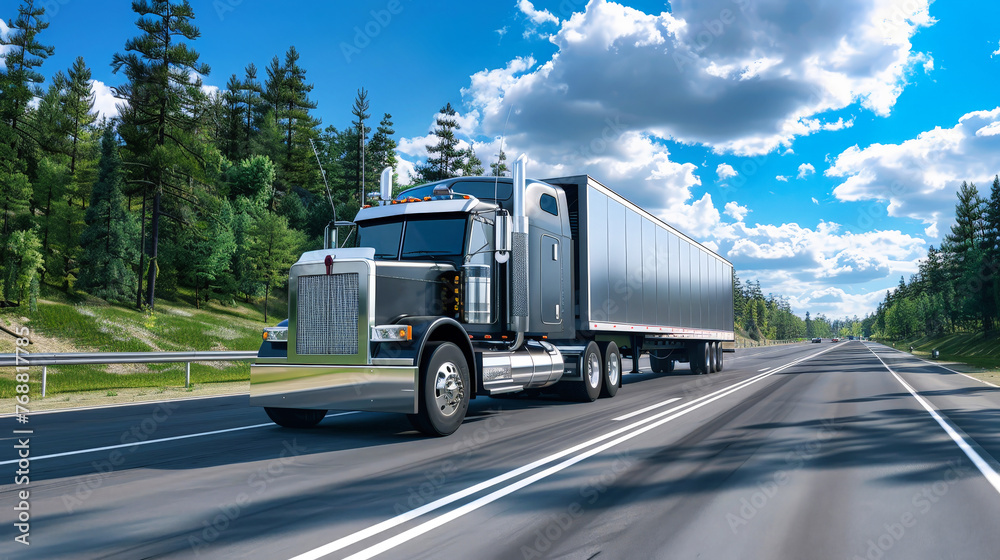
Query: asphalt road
point(800, 451)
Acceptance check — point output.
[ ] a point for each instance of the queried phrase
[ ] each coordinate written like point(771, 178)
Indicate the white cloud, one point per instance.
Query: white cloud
point(814, 200)
point(919, 177)
point(105, 102)
point(765, 77)
point(4, 33)
point(737, 212)
point(996, 52)
point(782, 178)
point(537, 17)
point(805, 170)
point(725, 171)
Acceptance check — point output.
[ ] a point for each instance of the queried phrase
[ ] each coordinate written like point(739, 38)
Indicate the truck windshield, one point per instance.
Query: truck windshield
point(422, 238)
point(430, 238)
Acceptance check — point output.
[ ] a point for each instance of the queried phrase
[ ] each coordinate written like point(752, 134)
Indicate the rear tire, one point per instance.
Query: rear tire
point(611, 376)
point(295, 417)
point(699, 358)
point(713, 358)
point(719, 357)
point(444, 390)
point(592, 372)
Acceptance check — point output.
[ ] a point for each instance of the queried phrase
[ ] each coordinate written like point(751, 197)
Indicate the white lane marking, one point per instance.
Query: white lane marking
point(765, 369)
point(354, 538)
point(647, 409)
point(972, 378)
point(161, 440)
point(991, 475)
point(117, 405)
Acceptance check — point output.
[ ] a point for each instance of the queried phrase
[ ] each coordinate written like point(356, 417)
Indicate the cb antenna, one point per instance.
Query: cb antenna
point(322, 172)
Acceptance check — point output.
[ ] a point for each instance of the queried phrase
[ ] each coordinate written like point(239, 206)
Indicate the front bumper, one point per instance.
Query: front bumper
point(374, 388)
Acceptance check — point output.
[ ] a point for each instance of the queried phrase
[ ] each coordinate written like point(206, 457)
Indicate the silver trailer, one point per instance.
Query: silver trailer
point(484, 286)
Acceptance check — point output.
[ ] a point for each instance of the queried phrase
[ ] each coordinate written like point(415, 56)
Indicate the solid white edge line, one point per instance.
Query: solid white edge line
point(945, 368)
point(161, 440)
point(647, 409)
point(369, 532)
point(991, 475)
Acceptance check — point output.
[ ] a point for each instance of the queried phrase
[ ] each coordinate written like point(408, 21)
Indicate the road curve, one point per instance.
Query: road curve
point(847, 450)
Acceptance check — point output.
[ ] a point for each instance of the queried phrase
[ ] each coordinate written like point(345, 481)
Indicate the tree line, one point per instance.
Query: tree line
point(771, 317)
point(956, 288)
point(212, 193)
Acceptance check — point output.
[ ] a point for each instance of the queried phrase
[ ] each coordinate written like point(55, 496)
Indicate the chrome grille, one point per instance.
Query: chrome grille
point(326, 322)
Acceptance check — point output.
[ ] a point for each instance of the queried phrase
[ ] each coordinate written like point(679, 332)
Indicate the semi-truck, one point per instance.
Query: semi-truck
point(486, 286)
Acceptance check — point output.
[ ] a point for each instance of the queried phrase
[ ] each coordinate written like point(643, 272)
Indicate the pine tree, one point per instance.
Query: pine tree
point(109, 240)
point(273, 250)
point(444, 158)
point(356, 164)
point(499, 167)
point(991, 246)
point(382, 148)
point(23, 55)
point(162, 108)
point(470, 165)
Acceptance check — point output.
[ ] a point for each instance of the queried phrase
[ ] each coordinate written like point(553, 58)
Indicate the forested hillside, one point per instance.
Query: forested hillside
point(956, 288)
point(213, 194)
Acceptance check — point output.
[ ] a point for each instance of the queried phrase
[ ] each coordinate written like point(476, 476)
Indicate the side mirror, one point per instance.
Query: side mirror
point(504, 227)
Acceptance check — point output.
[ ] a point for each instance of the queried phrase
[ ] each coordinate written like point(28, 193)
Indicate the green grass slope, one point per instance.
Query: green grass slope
point(63, 324)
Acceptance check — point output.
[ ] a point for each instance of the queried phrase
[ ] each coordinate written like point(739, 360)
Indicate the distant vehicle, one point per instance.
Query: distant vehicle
point(835, 340)
point(817, 339)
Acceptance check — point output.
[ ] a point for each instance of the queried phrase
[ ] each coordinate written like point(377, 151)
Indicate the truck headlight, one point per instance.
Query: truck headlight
point(276, 334)
point(392, 333)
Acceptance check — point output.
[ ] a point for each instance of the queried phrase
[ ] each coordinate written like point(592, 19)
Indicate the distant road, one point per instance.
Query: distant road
point(800, 451)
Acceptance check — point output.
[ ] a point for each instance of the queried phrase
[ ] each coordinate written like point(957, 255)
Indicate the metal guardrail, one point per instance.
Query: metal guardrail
point(44, 360)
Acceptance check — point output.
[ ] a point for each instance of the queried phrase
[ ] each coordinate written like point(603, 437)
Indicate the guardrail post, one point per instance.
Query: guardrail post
point(45, 378)
point(187, 376)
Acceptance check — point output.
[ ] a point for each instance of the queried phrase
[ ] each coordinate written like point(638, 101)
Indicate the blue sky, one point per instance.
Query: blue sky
point(817, 145)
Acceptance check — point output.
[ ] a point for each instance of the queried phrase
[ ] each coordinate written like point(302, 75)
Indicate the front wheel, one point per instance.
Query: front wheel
point(611, 378)
point(592, 373)
point(444, 390)
point(295, 417)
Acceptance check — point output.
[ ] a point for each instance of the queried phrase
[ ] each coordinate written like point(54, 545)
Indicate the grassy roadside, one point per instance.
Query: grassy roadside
point(68, 324)
point(974, 354)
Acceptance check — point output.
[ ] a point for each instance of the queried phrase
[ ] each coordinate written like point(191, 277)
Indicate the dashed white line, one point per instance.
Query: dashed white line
point(630, 431)
point(647, 409)
point(765, 369)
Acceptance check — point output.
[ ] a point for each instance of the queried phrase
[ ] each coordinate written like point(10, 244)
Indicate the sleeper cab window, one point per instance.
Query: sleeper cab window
point(549, 204)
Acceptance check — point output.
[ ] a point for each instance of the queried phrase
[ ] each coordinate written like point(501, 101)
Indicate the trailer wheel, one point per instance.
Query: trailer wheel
point(590, 369)
point(700, 358)
point(295, 417)
point(661, 365)
point(719, 357)
point(611, 378)
point(713, 358)
point(444, 390)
